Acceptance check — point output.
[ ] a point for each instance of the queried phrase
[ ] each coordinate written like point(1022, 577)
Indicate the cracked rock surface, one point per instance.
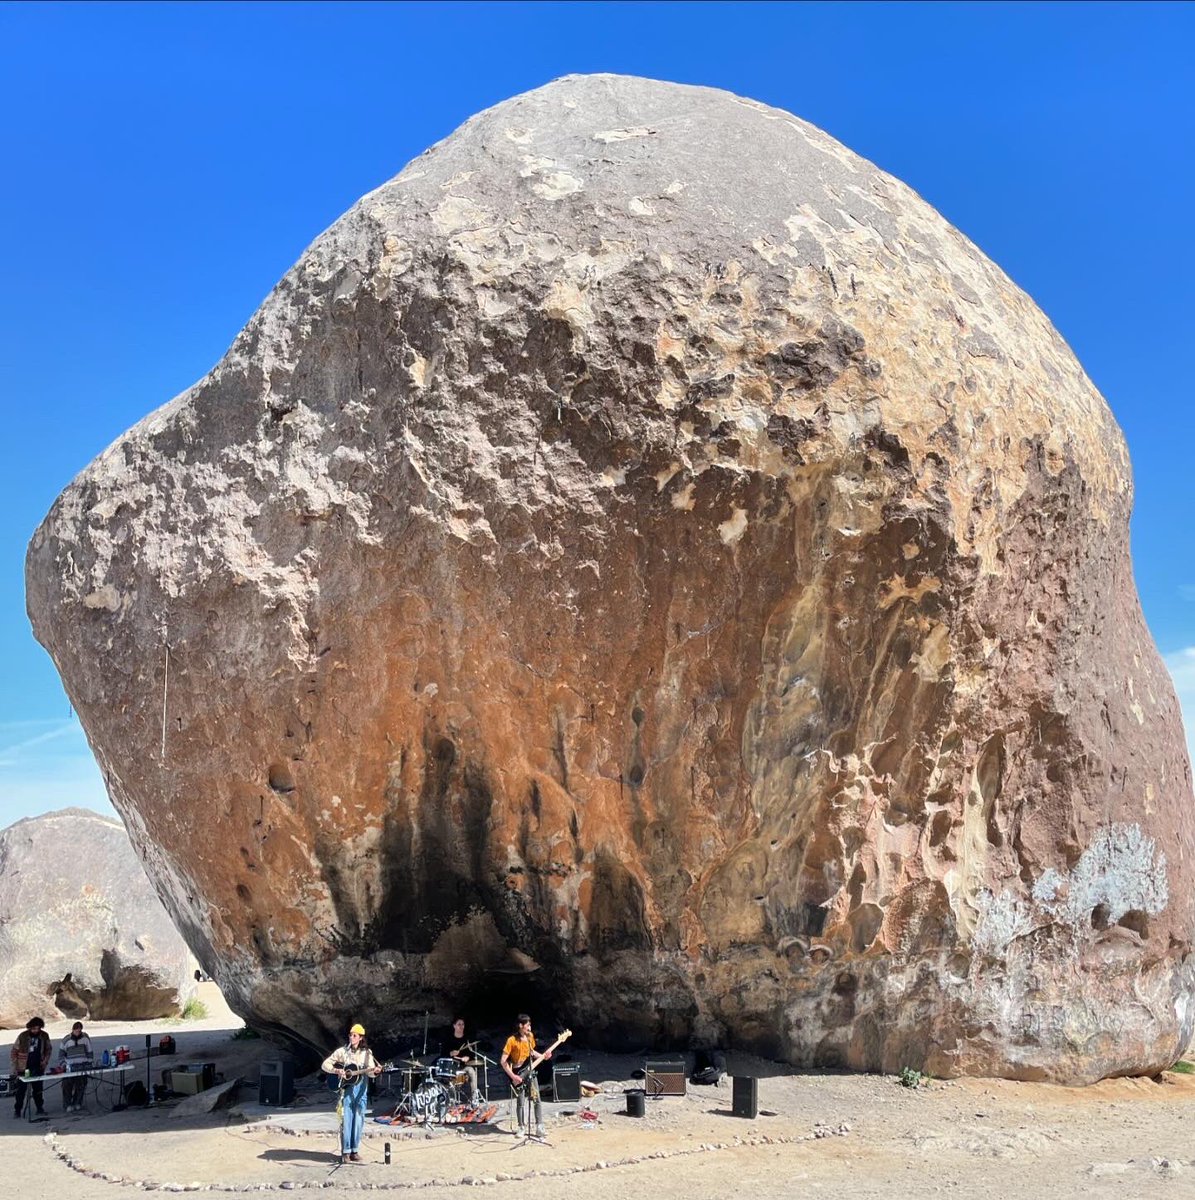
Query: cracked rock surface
point(645, 535)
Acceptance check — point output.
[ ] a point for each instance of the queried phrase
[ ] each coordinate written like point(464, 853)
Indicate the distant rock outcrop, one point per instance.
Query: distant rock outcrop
point(81, 929)
point(646, 536)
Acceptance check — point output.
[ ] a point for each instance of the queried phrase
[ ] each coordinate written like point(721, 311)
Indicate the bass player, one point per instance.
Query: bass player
point(519, 1060)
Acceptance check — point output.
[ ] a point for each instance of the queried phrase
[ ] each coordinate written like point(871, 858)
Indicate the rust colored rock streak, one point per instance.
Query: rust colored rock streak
point(645, 535)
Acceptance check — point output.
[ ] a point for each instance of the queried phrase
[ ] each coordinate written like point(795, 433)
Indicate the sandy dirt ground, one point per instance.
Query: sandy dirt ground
point(817, 1133)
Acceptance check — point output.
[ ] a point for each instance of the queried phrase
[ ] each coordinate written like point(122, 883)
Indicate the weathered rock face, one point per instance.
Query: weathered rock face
point(646, 535)
point(81, 930)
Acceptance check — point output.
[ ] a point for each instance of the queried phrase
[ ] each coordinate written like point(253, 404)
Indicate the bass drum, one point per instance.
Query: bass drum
point(429, 1102)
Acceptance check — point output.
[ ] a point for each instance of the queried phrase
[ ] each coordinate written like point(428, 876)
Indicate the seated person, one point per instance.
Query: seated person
point(457, 1045)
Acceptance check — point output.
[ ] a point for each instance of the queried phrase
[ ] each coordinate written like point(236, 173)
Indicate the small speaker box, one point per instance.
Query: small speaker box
point(745, 1097)
point(664, 1077)
point(276, 1083)
point(566, 1082)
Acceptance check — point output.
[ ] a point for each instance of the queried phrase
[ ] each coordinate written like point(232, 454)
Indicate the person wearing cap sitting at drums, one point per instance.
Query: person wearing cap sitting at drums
point(354, 1064)
point(458, 1046)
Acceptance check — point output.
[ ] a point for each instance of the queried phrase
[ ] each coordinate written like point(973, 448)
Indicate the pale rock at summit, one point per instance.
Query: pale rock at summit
point(645, 537)
point(82, 933)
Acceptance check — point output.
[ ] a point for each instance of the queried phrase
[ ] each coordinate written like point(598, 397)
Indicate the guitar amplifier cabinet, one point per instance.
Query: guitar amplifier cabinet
point(566, 1082)
point(745, 1097)
point(276, 1083)
point(664, 1077)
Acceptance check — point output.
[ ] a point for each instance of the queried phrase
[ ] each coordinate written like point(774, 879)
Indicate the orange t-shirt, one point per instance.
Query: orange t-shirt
point(517, 1050)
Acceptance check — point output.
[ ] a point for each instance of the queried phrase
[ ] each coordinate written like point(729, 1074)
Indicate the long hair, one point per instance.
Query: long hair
point(521, 1019)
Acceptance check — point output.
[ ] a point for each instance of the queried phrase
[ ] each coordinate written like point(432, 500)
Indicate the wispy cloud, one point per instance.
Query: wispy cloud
point(1181, 665)
point(32, 734)
point(47, 765)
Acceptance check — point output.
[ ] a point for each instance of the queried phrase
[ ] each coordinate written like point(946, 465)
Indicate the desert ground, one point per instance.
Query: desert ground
point(817, 1133)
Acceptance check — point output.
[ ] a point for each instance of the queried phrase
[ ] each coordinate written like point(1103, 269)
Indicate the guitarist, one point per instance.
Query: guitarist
point(519, 1061)
point(353, 1064)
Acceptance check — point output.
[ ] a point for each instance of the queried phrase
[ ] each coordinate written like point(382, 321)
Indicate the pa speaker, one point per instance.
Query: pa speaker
point(276, 1084)
point(664, 1077)
point(745, 1097)
point(566, 1082)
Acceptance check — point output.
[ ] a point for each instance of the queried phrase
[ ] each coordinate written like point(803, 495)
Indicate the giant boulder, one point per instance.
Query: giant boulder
point(82, 932)
point(646, 536)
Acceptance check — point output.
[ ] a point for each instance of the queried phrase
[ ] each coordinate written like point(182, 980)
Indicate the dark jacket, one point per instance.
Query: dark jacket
point(19, 1055)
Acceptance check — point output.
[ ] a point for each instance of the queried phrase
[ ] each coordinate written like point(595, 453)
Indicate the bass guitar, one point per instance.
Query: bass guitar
point(537, 1056)
point(337, 1082)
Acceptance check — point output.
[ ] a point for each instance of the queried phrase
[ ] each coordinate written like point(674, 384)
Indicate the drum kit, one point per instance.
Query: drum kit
point(440, 1094)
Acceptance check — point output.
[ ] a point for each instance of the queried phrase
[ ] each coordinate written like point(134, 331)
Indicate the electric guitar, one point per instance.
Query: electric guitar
point(336, 1083)
point(538, 1056)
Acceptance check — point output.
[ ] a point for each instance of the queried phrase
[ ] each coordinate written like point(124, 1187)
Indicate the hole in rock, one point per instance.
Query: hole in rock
point(1099, 917)
point(1137, 921)
point(637, 715)
point(281, 779)
point(940, 827)
point(244, 893)
point(845, 984)
point(865, 926)
point(635, 775)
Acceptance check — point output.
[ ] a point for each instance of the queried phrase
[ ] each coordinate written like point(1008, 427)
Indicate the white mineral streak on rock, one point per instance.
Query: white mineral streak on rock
point(1122, 871)
point(621, 135)
point(733, 527)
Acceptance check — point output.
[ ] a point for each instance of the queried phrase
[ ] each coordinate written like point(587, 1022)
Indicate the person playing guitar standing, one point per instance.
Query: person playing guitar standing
point(353, 1065)
point(519, 1060)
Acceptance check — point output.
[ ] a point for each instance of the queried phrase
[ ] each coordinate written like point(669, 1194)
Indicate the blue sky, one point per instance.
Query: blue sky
point(164, 165)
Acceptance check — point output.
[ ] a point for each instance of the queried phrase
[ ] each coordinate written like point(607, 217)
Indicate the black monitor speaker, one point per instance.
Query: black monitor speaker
point(276, 1084)
point(745, 1097)
point(566, 1081)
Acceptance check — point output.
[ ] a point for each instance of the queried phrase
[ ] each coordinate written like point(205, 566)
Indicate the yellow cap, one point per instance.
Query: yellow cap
point(358, 1029)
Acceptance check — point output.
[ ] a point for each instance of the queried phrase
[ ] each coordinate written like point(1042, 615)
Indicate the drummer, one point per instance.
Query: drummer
point(459, 1046)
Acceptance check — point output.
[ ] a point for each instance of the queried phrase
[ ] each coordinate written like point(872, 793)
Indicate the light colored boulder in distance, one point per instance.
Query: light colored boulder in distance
point(646, 536)
point(76, 906)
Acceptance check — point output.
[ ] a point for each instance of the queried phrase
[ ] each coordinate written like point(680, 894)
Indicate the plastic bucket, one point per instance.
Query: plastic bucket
point(636, 1102)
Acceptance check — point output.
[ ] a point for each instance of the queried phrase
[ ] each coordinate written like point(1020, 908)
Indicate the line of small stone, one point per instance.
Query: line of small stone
point(288, 1185)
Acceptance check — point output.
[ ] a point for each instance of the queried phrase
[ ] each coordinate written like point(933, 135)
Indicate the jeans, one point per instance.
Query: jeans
point(353, 1101)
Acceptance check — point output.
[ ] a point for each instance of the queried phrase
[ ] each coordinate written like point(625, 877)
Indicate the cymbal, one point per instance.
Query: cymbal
point(409, 1062)
point(470, 1062)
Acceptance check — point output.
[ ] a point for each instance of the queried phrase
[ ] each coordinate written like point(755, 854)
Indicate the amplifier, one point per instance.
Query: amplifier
point(664, 1077)
point(276, 1083)
point(566, 1082)
point(745, 1097)
point(186, 1083)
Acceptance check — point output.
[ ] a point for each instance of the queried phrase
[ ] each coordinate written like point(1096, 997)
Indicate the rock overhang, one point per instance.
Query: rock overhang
point(644, 534)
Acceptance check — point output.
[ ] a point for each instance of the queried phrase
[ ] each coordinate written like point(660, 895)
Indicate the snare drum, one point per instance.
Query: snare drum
point(445, 1070)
